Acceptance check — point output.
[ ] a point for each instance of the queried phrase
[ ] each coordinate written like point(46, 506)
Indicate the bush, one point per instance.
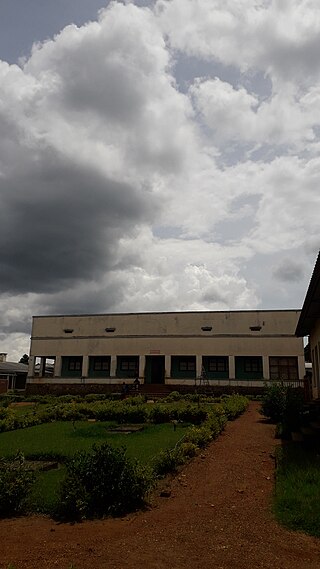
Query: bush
point(15, 482)
point(234, 405)
point(168, 461)
point(173, 396)
point(102, 482)
point(283, 405)
point(199, 436)
point(274, 402)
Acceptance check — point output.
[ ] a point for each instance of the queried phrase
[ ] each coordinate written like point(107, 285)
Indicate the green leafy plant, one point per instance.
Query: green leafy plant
point(15, 483)
point(283, 405)
point(102, 482)
point(273, 402)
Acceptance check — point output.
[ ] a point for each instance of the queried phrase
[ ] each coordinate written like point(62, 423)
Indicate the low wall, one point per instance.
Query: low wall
point(69, 388)
point(148, 389)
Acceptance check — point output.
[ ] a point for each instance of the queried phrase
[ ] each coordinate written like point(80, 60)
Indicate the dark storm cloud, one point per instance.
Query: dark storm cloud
point(60, 223)
point(288, 271)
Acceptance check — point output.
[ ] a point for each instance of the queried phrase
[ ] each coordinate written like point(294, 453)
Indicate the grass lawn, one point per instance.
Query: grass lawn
point(297, 493)
point(62, 440)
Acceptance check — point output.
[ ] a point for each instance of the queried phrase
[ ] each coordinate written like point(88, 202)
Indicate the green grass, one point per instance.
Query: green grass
point(297, 492)
point(62, 440)
point(28, 409)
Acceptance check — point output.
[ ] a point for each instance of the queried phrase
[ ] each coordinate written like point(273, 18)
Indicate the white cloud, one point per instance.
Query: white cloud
point(280, 37)
point(119, 192)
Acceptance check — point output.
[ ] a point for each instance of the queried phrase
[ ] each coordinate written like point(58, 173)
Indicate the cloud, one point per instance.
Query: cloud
point(279, 37)
point(121, 192)
point(288, 271)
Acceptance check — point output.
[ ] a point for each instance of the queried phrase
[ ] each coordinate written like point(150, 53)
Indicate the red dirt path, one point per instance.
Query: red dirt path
point(218, 516)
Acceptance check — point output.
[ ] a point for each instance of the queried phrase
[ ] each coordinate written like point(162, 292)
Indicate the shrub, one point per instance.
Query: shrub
point(102, 482)
point(274, 401)
point(199, 436)
point(283, 404)
point(15, 482)
point(234, 405)
point(168, 461)
point(173, 396)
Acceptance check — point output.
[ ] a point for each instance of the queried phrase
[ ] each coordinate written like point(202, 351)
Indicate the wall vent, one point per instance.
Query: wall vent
point(206, 328)
point(68, 330)
point(255, 328)
point(110, 329)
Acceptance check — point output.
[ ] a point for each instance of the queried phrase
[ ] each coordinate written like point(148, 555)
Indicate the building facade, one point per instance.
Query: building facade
point(238, 348)
point(13, 375)
point(309, 325)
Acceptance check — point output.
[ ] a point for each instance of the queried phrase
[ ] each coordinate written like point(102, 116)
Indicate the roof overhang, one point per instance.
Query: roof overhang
point(310, 312)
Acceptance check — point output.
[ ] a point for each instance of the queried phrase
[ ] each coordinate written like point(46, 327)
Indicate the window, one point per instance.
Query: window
point(187, 365)
point(101, 364)
point(218, 364)
point(71, 366)
point(75, 364)
point(183, 367)
point(253, 365)
point(283, 368)
point(127, 365)
point(248, 367)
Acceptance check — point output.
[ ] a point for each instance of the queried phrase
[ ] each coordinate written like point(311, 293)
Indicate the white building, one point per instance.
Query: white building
point(180, 349)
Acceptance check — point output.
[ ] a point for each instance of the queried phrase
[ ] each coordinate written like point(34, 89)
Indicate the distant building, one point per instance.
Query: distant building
point(180, 349)
point(12, 375)
point(309, 325)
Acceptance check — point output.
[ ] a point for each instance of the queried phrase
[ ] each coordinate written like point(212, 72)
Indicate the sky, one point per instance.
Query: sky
point(156, 156)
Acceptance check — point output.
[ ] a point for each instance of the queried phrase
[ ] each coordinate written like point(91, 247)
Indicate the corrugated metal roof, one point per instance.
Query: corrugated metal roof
point(13, 367)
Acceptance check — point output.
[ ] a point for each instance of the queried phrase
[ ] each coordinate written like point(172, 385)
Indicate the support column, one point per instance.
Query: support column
point(42, 370)
point(265, 367)
point(57, 367)
point(232, 367)
point(142, 367)
point(85, 366)
point(31, 366)
point(113, 366)
point(167, 366)
point(198, 366)
point(301, 367)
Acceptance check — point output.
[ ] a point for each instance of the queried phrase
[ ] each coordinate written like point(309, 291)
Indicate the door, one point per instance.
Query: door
point(155, 367)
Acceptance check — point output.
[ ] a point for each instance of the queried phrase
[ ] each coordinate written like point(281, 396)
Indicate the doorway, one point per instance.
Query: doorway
point(155, 369)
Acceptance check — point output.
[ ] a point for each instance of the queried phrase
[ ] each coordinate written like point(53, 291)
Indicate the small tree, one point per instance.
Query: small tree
point(24, 359)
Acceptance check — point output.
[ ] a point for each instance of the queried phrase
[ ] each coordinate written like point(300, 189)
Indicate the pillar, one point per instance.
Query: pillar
point(232, 367)
point(85, 366)
point(198, 366)
point(167, 366)
point(113, 366)
point(57, 367)
point(142, 366)
point(31, 366)
point(265, 367)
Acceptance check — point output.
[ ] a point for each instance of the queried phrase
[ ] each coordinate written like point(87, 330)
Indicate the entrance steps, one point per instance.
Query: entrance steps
point(155, 390)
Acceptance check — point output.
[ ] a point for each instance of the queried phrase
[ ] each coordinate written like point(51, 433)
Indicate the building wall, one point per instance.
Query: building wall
point(199, 334)
point(315, 355)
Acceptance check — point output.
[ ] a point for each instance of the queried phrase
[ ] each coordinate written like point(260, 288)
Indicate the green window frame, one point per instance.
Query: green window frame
point(127, 366)
point(99, 366)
